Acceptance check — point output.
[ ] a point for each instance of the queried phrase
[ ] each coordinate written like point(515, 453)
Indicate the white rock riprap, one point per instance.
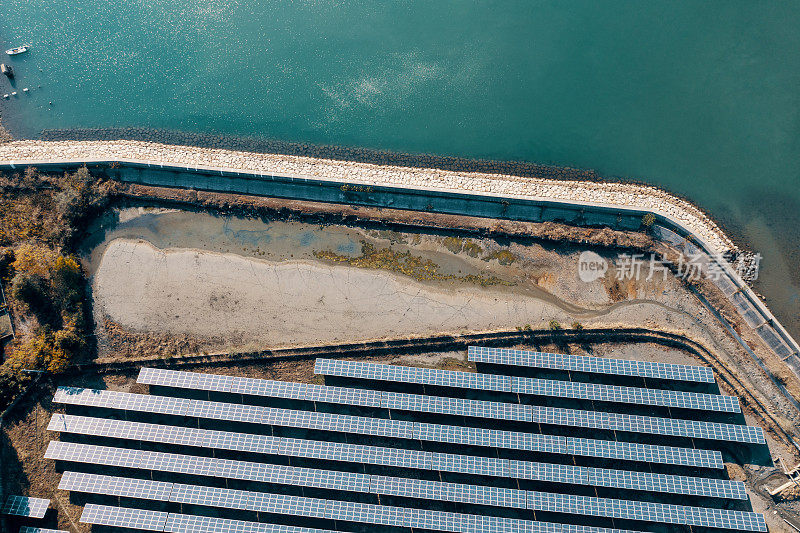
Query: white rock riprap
point(615, 195)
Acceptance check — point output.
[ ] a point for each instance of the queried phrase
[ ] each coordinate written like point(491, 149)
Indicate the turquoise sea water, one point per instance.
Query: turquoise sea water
point(700, 97)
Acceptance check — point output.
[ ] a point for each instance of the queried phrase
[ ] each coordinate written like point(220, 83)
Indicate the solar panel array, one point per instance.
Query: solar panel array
point(25, 506)
point(514, 384)
point(300, 506)
point(401, 429)
point(454, 472)
point(410, 517)
point(396, 457)
point(589, 364)
point(477, 408)
point(333, 480)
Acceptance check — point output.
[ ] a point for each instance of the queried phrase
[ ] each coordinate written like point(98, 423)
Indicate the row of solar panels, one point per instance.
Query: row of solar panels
point(589, 364)
point(389, 428)
point(398, 457)
point(305, 507)
point(148, 520)
point(487, 382)
point(29, 529)
point(473, 408)
point(406, 516)
point(16, 505)
point(375, 484)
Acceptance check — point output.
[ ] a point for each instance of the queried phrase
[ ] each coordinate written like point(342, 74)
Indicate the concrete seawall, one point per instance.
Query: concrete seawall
point(467, 193)
point(612, 195)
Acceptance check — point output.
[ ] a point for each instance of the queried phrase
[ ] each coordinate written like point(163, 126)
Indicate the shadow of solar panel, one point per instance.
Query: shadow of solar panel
point(25, 506)
point(590, 364)
point(105, 515)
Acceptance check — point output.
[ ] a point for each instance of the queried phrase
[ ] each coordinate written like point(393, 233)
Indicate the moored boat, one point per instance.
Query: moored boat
point(17, 50)
point(7, 70)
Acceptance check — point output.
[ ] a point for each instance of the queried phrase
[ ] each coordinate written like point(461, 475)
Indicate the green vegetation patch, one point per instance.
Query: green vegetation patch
point(472, 249)
point(406, 263)
point(454, 244)
point(504, 257)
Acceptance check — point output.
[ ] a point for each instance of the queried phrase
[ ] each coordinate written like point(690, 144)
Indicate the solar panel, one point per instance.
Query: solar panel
point(207, 466)
point(629, 395)
point(453, 434)
point(651, 482)
point(554, 473)
point(483, 409)
point(281, 474)
point(234, 412)
point(358, 512)
point(528, 386)
point(183, 523)
point(647, 424)
point(410, 488)
point(452, 492)
point(259, 387)
point(406, 374)
point(646, 511)
point(589, 364)
point(469, 464)
point(308, 507)
point(121, 400)
point(648, 453)
point(357, 453)
point(26, 506)
point(456, 407)
point(29, 529)
point(116, 486)
point(105, 515)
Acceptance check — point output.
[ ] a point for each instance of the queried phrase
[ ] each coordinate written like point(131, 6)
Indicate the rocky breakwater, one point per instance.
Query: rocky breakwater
point(614, 195)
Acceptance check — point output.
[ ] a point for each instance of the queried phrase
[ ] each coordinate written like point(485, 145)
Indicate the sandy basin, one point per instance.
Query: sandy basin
point(230, 283)
point(209, 293)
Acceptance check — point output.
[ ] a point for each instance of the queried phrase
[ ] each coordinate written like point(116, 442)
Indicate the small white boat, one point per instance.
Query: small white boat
point(17, 50)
